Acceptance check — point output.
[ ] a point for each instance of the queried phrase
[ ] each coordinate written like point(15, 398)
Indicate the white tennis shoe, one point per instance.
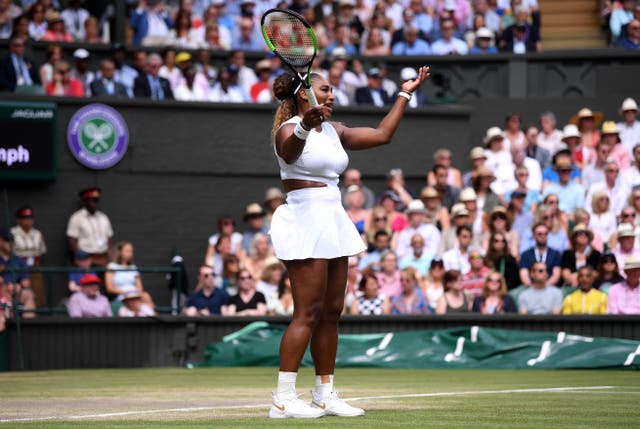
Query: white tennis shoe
point(334, 406)
point(294, 408)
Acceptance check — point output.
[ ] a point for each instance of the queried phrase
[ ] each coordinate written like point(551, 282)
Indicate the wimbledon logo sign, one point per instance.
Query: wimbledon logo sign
point(97, 136)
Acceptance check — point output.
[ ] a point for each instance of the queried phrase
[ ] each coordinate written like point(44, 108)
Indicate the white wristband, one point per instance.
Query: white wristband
point(405, 94)
point(300, 132)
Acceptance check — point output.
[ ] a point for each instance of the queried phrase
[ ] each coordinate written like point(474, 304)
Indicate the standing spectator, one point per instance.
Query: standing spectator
point(63, 84)
point(248, 301)
point(15, 69)
point(133, 306)
point(150, 23)
point(80, 70)
point(540, 252)
point(149, 84)
point(629, 128)
point(15, 275)
point(580, 255)
point(620, 17)
point(106, 85)
point(373, 94)
point(585, 300)
point(448, 44)
point(74, 17)
point(353, 176)
point(90, 230)
point(454, 299)
point(207, 299)
point(500, 260)
point(28, 244)
point(541, 297)
point(624, 297)
point(549, 137)
point(88, 302)
point(56, 31)
point(123, 275)
point(371, 302)
point(410, 299)
point(494, 298)
point(416, 215)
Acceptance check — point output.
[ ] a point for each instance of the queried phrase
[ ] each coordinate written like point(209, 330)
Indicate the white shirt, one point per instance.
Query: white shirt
point(630, 135)
point(183, 93)
point(428, 231)
point(502, 166)
point(550, 142)
point(453, 46)
point(604, 223)
point(74, 21)
point(233, 94)
point(455, 260)
point(535, 175)
point(618, 196)
point(591, 174)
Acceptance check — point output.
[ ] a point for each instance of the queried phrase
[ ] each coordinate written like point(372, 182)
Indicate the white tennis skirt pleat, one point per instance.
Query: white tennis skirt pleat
point(313, 224)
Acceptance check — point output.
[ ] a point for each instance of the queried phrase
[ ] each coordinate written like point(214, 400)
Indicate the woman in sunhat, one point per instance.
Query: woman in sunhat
point(580, 254)
point(587, 122)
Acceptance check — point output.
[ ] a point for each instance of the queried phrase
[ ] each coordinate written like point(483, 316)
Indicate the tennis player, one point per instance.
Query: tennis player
point(313, 235)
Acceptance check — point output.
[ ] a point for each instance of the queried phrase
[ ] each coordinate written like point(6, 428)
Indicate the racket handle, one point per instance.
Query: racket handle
point(313, 101)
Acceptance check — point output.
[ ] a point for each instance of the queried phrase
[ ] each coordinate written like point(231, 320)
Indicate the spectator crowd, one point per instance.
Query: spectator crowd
point(546, 221)
point(172, 43)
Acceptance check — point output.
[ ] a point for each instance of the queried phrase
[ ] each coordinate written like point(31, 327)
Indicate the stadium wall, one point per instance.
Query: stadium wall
point(61, 343)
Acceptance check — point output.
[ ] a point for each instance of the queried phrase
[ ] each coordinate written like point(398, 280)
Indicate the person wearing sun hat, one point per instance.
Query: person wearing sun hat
point(587, 122)
point(619, 152)
point(416, 213)
point(624, 297)
point(477, 158)
point(581, 253)
point(254, 217)
point(29, 245)
point(629, 127)
point(626, 245)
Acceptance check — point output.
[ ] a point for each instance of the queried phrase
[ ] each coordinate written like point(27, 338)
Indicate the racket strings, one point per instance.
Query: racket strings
point(290, 38)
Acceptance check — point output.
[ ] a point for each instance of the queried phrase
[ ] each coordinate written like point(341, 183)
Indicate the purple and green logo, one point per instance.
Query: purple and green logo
point(98, 136)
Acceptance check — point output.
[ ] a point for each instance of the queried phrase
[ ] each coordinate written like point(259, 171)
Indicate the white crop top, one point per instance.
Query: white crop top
point(323, 158)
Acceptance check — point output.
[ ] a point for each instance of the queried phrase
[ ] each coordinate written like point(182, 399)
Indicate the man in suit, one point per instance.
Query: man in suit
point(534, 150)
point(15, 69)
point(373, 93)
point(149, 84)
point(106, 85)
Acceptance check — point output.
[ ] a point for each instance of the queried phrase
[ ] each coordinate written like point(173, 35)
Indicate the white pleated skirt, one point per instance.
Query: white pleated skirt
point(313, 224)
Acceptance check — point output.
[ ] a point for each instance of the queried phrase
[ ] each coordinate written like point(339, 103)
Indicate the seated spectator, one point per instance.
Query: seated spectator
point(88, 302)
point(169, 69)
point(354, 206)
point(411, 43)
point(341, 40)
point(620, 153)
point(608, 273)
point(432, 284)
point(378, 221)
point(541, 297)
point(473, 280)
point(448, 44)
point(522, 220)
point(269, 277)
point(75, 17)
point(401, 243)
point(150, 23)
point(186, 90)
point(587, 299)
point(454, 299)
point(260, 91)
point(225, 90)
point(458, 257)
point(371, 302)
point(149, 84)
point(228, 278)
point(15, 275)
point(614, 186)
point(528, 180)
point(624, 297)
point(414, 15)
point(352, 176)
point(226, 226)
point(556, 220)
point(82, 260)
point(603, 218)
point(494, 298)
point(8, 14)
point(373, 93)
point(247, 36)
point(581, 254)
point(419, 260)
point(634, 170)
point(183, 35)
point(549, 139)
point(499, 259)
point(283, 305)
point(378, 23)
point(459, 217)
point(260, 254)
point(53, 55)
point(449, 194)
point(593, 172)
point(486, 199)
point(63, 84)
point(106, 85)
point(207, 299)
point(92, 32)
point(81, 71)
point(254, 218)
point(477, 158)
point(436, 213)
point(484, 42)
point(587, 122)
point(540, 252)
point(56, 30)
point(410, 299)
point(397, 185)
point(632, 40)
point(570, 193)
point(390, 202)
point(418, 98)
point(629, 127)
point(583, 216)
point(123, 275)
point(626, 244)
point(388, 274)
point(498, 221)
point(521, 37)
point(132, 306)
point(371, 259)
point(37, 22)
point(248, 301)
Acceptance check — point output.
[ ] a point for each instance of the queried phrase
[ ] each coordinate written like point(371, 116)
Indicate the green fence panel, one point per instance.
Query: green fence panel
point(467, 347)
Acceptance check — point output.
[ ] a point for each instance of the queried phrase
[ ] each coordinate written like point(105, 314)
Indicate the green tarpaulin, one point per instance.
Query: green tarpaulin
point(467, 347)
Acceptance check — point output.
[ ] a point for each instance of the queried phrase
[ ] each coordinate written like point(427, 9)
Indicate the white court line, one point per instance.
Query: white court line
point(257, 406)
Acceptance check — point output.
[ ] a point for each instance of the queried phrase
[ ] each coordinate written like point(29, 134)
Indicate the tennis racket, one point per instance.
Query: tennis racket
point(291, 38)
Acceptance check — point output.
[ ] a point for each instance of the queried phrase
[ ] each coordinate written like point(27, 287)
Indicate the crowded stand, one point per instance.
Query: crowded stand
point(546, 220)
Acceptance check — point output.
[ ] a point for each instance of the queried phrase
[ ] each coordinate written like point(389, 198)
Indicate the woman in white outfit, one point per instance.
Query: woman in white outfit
point(313, 235)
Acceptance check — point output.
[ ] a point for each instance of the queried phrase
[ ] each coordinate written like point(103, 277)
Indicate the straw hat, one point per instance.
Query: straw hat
point(468, 194)
point(585, 112)
point(459, 209)
point(483, 171)
point(610, 127)
point(429, 192)
point(581, 227)
point(477, 153)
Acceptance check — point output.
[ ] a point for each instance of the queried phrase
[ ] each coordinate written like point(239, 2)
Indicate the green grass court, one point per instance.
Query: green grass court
point(239, 398)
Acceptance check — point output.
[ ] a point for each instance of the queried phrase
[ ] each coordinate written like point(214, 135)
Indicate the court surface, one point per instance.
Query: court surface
point(239, 398)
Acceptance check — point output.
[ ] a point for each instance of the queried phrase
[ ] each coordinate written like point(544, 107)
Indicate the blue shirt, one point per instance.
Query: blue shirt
point(419, 47)
point(421, 264)
point(217, 299)
point(571, 195)
point(15, 269)
point(489, 50)
point(550, 174)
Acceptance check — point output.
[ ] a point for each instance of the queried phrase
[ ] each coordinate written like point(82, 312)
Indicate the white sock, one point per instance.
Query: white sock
point(286, 384)
point(324, 389)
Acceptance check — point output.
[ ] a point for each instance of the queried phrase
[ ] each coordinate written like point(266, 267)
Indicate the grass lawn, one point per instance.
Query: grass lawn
point(239, 398)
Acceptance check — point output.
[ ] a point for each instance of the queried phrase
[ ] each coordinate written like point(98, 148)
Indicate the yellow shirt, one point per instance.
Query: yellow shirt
point(578, 302)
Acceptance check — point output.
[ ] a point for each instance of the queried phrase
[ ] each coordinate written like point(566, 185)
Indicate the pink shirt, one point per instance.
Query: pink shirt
point(623, 299)
point(389, 287)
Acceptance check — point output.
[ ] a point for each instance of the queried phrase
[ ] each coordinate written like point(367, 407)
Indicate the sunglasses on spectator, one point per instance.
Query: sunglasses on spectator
point(494, 279)
point(245, 278)
point(628, 215)
point(540, 270)
point(207, 275)
point(553, 201)
point(498, 240)
point(475, 256)
point(498, 216)
point(378, 219)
